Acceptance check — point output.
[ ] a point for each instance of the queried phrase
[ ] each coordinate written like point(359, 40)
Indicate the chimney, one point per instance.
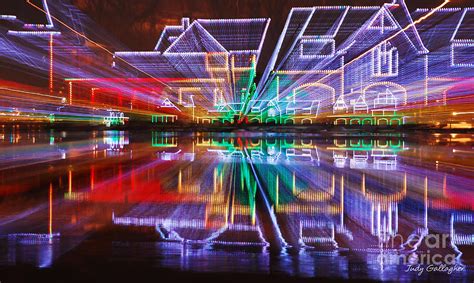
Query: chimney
point(185, 23)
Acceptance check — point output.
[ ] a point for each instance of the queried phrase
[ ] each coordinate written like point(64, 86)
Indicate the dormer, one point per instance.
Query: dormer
point(340, 105)
point(317, 48)
point(360, 105)
point(462, 41)
point(384, 60)
point(383, 22)
point(462, 54)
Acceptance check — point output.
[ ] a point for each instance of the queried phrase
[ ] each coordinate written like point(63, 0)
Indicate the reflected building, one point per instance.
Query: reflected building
point(211, 191)
point(376, 154)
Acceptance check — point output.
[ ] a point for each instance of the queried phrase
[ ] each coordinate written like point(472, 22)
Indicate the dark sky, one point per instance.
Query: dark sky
point(138, 23)
point(22, 10)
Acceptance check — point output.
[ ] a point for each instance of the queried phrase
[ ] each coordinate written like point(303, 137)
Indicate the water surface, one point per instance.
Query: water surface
point(349, 207)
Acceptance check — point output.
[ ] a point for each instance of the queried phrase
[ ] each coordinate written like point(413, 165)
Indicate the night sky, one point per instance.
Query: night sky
point(21, 9)
point(139, 23)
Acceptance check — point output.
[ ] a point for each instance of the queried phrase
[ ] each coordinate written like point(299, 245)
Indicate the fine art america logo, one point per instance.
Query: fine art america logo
point(420, 261)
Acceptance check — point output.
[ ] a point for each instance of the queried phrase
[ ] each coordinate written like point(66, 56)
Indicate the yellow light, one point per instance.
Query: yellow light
point(51, 64)
point(70, 93)
point(50, 226)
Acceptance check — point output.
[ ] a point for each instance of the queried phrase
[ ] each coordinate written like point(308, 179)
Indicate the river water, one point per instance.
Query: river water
point(347, 206)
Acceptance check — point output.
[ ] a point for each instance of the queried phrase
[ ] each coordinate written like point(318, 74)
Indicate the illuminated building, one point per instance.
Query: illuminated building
point(449, 64)
point(347, 65)
point(208, 66)
point(359, 152)
point(357, 65)
point(54, 50)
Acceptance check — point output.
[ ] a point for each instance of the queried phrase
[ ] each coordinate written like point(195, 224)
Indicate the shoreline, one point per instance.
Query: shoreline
point(309, 129)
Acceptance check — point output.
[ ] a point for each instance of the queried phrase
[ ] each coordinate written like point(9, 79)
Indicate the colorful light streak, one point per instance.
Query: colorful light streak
point(205, 70)
point(238, 192)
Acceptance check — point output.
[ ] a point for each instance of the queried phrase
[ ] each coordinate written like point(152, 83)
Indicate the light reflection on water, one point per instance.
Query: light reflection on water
point(329, 206)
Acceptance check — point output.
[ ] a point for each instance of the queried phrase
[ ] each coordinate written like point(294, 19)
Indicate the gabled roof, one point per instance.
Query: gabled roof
point(195, 39)
point(343, 25)
point(360, 102)
point(237, 34)
point(465, 28)
point(213, 35)
point(326, 21)
point(354, 20)
point(168, 36)
point(402, 15)
point(389, 18)
point(340, 103)
point(437, 30)
point(336, 22)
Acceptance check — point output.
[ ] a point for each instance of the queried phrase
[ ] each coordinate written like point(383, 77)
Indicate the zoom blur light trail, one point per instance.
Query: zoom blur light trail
point(348, 65)
point(50, 17)
point(380, 71)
